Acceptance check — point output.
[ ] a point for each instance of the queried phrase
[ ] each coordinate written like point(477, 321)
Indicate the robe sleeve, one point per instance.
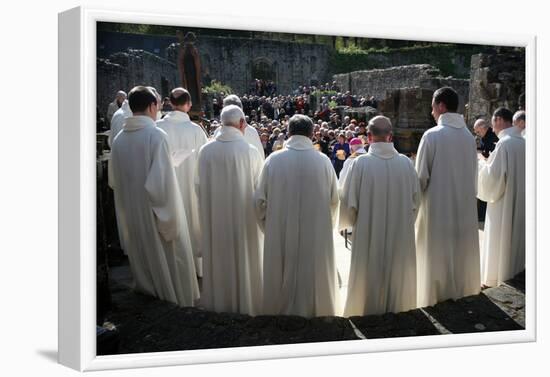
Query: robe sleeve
point(200, 138)
point(162, 187)
point(424, 159)
point(492, 176)
point(334, 195)
point(110, 173)
point(260, 198)
point(348, 198)
point(196, 179)
point(415, 191)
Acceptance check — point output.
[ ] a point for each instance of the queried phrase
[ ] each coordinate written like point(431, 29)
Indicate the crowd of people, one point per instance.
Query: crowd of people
point(250, 207)
point(269, 116)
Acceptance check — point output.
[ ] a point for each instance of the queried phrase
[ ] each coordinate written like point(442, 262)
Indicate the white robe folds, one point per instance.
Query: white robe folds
point(296, 204)
point(347, 164)
point(447, 240)
point(185, 139)
point(227, 175)
point(343, 219)
point(111, 109)
point(251, 136)
point(117, 122)
point(501, 183)
point(381, 194)
point(118, 119)
point(150, 213)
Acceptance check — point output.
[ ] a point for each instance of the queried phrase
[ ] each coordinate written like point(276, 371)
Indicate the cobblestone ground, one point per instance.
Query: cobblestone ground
point(146, 324)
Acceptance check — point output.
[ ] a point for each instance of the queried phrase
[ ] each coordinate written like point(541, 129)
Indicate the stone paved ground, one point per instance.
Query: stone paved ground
point(146, 324)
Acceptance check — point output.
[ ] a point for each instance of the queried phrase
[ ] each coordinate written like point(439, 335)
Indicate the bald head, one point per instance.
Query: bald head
point(180, 97)
point(120, 97)
point(519, 119)
point(480, 127)
point(379, 129)
point(232, 100)
point(233, 116)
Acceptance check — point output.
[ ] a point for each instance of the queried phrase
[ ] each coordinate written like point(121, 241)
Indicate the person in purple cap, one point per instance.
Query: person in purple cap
point(356, 149)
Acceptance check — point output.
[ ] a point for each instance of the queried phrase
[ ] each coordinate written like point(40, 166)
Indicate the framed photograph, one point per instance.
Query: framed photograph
point(173, 254)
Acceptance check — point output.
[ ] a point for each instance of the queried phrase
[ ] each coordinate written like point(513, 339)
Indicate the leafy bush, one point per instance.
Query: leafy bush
point(217, 87)
point(321, 93)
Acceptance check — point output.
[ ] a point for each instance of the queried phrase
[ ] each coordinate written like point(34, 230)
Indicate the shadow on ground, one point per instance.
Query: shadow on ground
point(146, 324)
point(472, 314)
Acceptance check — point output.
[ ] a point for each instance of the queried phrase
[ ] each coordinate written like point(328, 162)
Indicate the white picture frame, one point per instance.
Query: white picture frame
point(77, 185)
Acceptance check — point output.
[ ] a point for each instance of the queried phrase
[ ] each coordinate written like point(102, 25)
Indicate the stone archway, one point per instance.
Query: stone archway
point(263, 69)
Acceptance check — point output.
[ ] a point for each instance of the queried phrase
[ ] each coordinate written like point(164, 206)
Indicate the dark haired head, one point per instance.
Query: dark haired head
point(503, 113)
point(140, 98)
point(447, 96)
point(300, 125)
point(179, 97)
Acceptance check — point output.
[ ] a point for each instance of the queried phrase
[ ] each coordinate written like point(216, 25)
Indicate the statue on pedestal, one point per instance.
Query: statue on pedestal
point(189, 66)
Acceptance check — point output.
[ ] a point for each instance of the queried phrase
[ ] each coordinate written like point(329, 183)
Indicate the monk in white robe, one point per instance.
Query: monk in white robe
point(519, 121)
point(149, 207)
point(501, 183)
point(250, 133)
point(118, 119)
point(115, 105)
point(381, 194)
point(185, 139)
point(117, 123)
point(228, 171)
point(447, 240)
point(296, 204)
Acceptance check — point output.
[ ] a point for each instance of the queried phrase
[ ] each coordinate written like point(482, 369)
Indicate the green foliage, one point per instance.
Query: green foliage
point(217, 87)
point(321, 93)
point(440, 55)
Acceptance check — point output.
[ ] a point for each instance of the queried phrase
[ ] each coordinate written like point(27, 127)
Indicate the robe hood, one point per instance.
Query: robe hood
point(126, 107)
point(228, 133)
point(138, 122)
point(382, 150)
point(299, 143)
point(358, 152)
point(453, 120)
point(510, 131)
point(178, 116)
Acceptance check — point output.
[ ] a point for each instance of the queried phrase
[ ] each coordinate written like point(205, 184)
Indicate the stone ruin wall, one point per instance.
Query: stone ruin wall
point(232, 60)
point(405, 96)
point(496, 80)
point(124, 70)
point(229, 60)
point(380, 82)
point(376, 81)
point(404, 92)
point(410, 112)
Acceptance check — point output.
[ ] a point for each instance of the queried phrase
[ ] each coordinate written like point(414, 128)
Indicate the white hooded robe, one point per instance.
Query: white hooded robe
point(227, 175)
point(118, 119)
point(447, 239)
point(381, 195)
point(251, 136)
point(185, 139)
point(296, 204)
point(150, 213)
point(501, 183)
